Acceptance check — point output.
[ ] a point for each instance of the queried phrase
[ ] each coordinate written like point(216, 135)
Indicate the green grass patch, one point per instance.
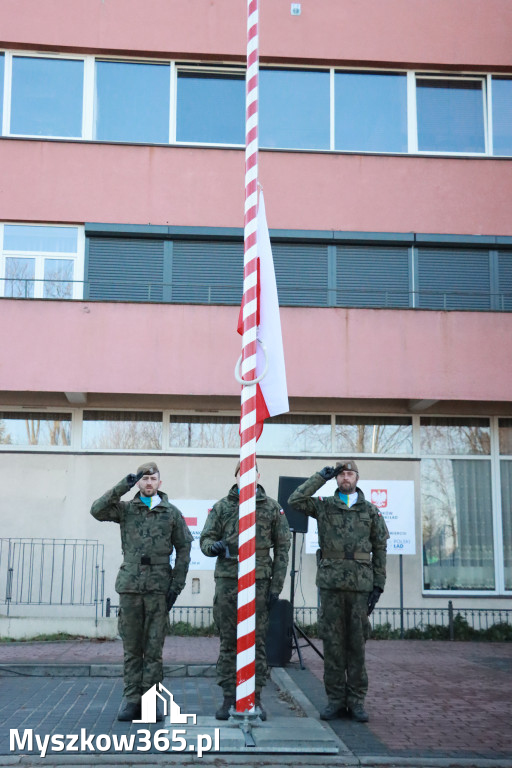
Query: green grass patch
point(183, 629)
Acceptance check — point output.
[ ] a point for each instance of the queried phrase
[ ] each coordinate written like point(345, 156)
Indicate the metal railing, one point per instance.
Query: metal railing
point(52, 572)
point(127, 290)
point(406, 621)
point(394, 620)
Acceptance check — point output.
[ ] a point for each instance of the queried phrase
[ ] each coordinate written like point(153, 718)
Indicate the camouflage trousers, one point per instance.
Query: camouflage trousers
point(344, 628)
point(142, 625)
point(225, 615)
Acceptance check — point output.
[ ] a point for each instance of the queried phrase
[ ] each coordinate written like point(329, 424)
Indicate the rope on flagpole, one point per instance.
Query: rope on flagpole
point(246, 611)
point(245, 383)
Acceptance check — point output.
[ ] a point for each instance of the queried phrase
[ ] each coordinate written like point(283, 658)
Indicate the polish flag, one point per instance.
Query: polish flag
point(271, 392)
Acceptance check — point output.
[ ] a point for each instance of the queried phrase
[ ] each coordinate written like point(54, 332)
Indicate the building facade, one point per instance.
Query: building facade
point(386, 161)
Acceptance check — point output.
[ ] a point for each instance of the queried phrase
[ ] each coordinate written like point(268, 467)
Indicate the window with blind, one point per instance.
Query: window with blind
point(453, 278)
point(210, 107)
point(450, 114)
point(372, 276)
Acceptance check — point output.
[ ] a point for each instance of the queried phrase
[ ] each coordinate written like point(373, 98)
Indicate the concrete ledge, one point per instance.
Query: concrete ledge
point(21, 628)
point(64, 669)
point(45, 670)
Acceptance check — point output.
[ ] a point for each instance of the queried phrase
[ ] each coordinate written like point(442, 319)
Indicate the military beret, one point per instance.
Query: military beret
point(237, 468)
point(348, 465)
point(149, 468)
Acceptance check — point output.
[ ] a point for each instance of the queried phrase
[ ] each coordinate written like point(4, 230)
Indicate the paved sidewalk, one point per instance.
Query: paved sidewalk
point(430, 703)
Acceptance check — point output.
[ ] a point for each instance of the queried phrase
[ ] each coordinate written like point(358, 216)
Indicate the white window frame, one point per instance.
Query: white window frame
point(455, 78)
point(176, 66)
point(494, 458)
point(43, 410)
point(9, 56)
point(199, 69)
point(39, 257)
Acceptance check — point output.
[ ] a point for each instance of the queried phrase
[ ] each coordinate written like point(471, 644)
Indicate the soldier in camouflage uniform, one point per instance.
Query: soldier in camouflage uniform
point(148, 587)
point(219, 538)
point(351, 576)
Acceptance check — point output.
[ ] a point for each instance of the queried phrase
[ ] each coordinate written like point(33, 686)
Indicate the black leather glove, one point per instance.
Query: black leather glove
point(132, 479)
point(272, 600)
point(219, 548)
point(373, 598)
point(327, 473)
point(171, 598)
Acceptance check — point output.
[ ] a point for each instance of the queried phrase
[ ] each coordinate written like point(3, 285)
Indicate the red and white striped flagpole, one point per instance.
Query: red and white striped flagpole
point(246, 615)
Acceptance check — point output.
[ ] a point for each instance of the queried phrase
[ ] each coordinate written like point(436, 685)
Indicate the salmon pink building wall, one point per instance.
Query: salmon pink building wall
point(458, 33)
point(82, 347)
point(87, 182)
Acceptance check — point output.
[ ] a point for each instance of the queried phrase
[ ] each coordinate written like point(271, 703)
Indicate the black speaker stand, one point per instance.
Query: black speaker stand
point(295, 627)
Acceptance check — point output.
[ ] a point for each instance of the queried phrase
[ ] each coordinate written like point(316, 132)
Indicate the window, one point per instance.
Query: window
point(38, 429)
point(215, 432)
point(210, 107)
point(370, 112)
point(296, 434)
point(372, 276)
point(301, 274)
point(126, 269)
point(207, 272)
point(506, 514)
point(450, 115)
point(502, 115)
point(505, 436)
point(122, 430)
point(19, 277)
point(453, 278)
point(58, 277)
point(454, 436)
point(40, 262)
point(47, 97)
point(132, 102)
point(458, 546)
point(294, 109)
point(373, 434)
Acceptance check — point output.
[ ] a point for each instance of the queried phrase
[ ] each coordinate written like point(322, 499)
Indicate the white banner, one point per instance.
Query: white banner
point(195, 512)
point(395, 500)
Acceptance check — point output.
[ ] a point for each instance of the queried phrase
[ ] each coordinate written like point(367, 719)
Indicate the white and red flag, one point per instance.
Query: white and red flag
point(272, 391)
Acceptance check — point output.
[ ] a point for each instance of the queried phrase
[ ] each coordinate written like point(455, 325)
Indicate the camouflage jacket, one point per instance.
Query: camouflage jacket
point(272, 531)
point(352, 540)
point(149, 534)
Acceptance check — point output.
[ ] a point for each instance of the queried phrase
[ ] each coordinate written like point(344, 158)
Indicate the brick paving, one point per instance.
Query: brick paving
point(426, 699)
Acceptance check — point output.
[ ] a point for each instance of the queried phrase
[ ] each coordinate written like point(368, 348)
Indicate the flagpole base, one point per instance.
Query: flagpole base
point(245, 722)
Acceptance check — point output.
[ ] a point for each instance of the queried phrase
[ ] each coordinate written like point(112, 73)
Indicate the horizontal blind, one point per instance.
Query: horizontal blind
point(372, 276)
point(504, 280)
point(450, 278)
point(207, 272)
point(125, 269)
point(301, 274)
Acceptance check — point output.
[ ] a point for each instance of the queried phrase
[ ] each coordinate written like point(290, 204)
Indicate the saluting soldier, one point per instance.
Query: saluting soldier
point(219, 538)
point(151, 528)
point(351, 576)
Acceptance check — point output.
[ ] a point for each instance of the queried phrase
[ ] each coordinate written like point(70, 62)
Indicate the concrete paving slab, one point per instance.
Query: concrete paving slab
point(279, 735)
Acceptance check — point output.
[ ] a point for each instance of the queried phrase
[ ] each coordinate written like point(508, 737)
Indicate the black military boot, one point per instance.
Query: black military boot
point(257, 703)
point(223, 711)
point(129, 710)
point(359, 714)
point(332, 711)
